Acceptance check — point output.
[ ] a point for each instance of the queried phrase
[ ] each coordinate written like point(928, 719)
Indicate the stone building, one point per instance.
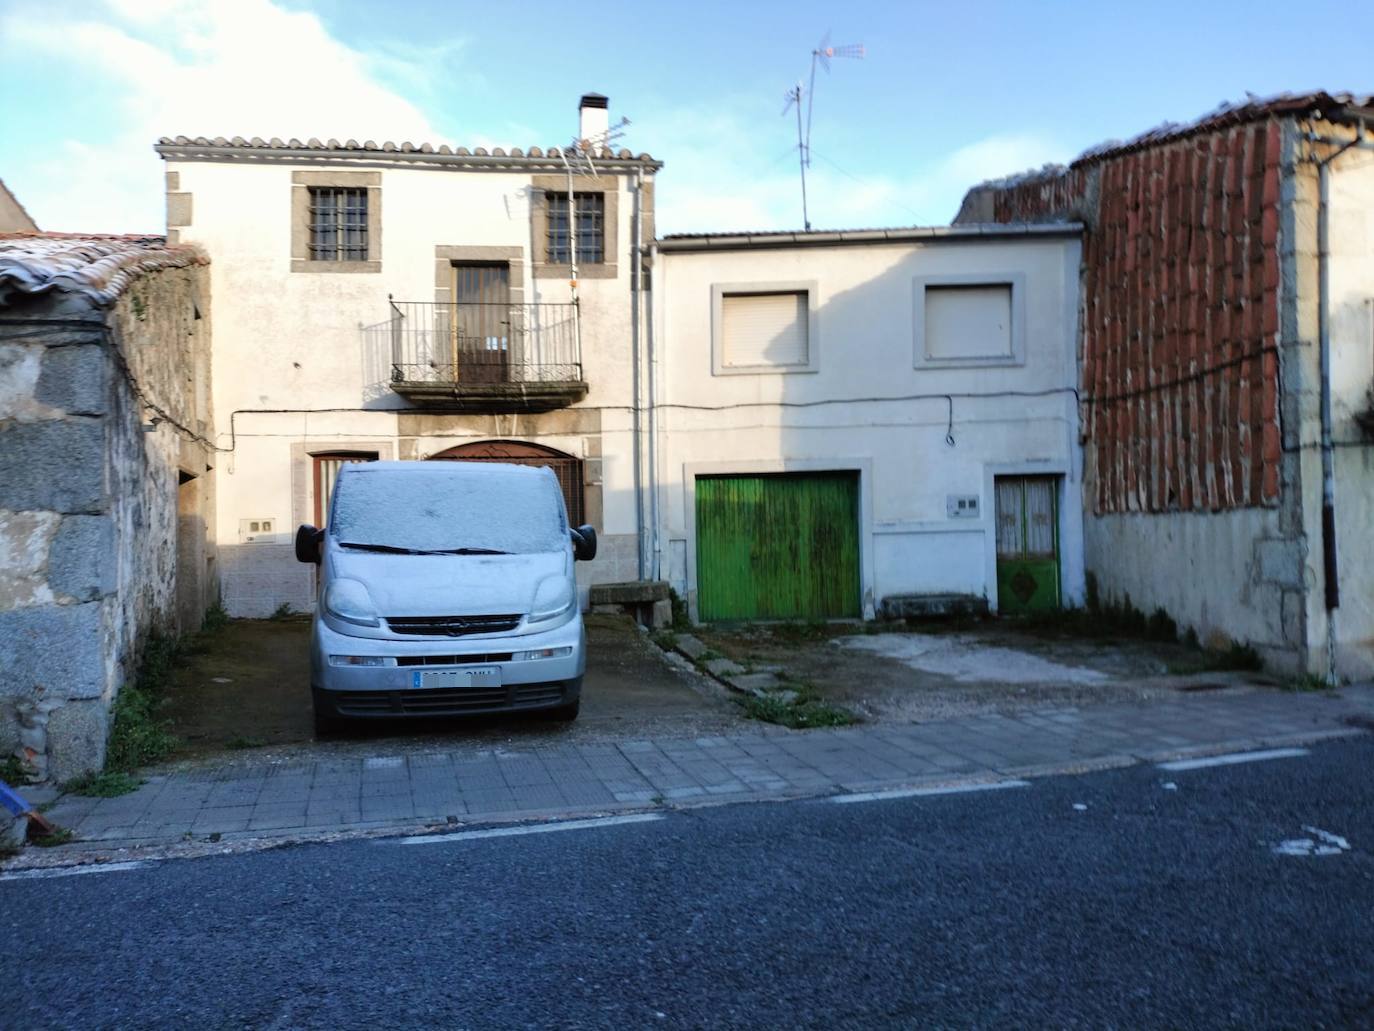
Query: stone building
point(1226, 334)
point(106, 478)
point(412, 301)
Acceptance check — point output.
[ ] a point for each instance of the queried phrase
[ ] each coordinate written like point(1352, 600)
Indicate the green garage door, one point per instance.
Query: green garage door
point(778, 547)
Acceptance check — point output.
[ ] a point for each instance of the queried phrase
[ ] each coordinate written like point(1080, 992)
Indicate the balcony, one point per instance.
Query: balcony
point(486, 357)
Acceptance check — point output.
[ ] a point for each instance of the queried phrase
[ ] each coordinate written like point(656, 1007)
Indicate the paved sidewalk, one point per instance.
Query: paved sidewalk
point(471, 786)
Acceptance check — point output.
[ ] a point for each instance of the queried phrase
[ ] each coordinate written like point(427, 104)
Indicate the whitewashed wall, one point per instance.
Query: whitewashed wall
point(866, 346)
point(287, 340)
point(1352, 377)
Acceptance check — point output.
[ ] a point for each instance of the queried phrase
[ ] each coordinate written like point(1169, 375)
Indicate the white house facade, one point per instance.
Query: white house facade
point(847, 423)
point(407, 302)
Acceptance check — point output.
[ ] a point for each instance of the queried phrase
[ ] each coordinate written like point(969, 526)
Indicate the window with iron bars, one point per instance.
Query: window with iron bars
point(591, 228)
point(338, 224)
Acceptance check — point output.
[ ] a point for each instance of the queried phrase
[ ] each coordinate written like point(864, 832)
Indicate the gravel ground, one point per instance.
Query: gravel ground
point(895, 675)
point(251, 684)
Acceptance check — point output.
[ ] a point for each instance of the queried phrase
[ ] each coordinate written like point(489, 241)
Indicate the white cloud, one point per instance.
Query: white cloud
point(198, 68)
point(722, 172)
point(252, 68)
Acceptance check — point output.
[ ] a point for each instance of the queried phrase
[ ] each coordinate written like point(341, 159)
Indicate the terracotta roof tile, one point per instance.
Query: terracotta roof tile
point(174, 143)
point(100, 267)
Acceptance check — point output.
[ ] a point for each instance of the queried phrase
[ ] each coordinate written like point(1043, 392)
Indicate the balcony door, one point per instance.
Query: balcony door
point(480, 333)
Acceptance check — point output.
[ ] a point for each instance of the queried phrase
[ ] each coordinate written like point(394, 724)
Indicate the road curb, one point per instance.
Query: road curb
point(237, 843)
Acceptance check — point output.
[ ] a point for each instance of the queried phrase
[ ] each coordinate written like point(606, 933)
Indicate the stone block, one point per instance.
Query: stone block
point(724, 667)
point(634, 592)
point(916, 606)
point(77, 733)
point(754, 683)
point(52, 651)
point(179, 209)
point(661, 614)
point(57, 465)
point(75, 379)
point(82, 560)
point(691, 646)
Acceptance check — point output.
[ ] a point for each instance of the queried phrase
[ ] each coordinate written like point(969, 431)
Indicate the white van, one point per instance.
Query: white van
point(445, 588)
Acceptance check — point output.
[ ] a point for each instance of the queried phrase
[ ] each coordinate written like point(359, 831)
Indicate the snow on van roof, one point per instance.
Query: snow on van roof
point(446, 468)
point(436, 506)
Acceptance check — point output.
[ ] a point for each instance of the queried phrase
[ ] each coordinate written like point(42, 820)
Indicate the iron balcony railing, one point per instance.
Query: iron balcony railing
point(484, 343)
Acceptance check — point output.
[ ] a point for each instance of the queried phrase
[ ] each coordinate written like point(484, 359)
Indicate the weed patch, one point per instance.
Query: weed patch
point(1307, 682)
point(216, 618)
point(800, 708)
point(59, 836)
point(239, 743)
point(282, 611)
point(110, 784)
point(681, 620)
point(14, 771)
point(665, 639)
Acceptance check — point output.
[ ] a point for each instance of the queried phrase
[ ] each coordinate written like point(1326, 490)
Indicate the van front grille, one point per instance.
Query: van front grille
point(445, 702)
point(451, 626)
point(480, 659)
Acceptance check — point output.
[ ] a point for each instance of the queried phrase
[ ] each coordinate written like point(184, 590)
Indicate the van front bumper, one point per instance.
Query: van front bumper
point(428, 678)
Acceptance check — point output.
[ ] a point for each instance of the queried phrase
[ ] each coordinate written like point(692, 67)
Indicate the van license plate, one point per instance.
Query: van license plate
point(477, 676)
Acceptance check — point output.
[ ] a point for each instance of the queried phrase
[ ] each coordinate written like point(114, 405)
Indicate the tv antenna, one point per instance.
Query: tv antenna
point(822, 55)
point(582, 152)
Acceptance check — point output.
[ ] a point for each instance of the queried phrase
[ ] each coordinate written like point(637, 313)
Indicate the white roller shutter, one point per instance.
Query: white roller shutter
point(764, 329)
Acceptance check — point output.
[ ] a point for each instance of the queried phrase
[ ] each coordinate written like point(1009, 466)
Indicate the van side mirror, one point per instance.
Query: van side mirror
point(308, 541)
point(584, 543)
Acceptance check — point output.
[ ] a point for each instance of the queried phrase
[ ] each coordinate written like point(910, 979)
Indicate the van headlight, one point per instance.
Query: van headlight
point(348, 600)
point(554, 599)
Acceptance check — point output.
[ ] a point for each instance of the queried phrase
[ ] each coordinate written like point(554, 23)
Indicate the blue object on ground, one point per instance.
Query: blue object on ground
point(11, 800)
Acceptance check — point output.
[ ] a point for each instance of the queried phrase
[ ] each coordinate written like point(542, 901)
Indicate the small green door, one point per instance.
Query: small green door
point(778, 547)
point(1027, 543)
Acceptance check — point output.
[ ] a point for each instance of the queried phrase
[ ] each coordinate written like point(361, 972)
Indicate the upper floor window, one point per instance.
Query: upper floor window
point(764, 328)
point(338, 224)
point(590, 213)
point(969, 320)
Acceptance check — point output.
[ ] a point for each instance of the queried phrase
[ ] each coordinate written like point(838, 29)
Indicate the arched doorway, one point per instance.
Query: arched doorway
point(517, 452)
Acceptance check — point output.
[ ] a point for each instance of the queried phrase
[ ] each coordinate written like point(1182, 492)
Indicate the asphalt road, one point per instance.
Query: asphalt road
point(1150, 907)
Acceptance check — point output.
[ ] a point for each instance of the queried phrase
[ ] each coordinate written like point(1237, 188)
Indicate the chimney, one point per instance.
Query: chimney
point(593, 116)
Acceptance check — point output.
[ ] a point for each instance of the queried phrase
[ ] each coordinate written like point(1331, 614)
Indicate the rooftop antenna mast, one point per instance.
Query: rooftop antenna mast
point(582, 152)
point(821, 55)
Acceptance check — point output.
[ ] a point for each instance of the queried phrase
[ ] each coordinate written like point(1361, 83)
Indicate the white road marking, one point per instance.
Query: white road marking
point(1080, 807)
point(527, 828)
point(953, 789)
point(1232, 759)
point(71, 871)
point(1326, 844)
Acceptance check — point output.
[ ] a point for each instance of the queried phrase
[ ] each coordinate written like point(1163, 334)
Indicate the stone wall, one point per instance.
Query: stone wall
point(90, 528)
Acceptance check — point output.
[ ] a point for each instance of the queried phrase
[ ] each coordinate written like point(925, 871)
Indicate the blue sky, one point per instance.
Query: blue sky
point(948, 94)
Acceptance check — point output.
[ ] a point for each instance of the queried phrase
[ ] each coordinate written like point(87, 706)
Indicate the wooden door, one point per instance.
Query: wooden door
point(1027, 543)
point(481, 323)
point(778, 546)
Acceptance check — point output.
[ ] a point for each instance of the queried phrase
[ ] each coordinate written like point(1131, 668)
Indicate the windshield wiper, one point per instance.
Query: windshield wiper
point(390, 548)
point(395, 550)
point(468, 551)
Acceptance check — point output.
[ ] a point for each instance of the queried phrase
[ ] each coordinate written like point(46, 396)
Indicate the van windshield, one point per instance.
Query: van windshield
point(492, 511)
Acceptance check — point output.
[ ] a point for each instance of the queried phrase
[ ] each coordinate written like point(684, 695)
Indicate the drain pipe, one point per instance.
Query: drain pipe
point(636, 305)
point(660, 273)
point(1330, 565)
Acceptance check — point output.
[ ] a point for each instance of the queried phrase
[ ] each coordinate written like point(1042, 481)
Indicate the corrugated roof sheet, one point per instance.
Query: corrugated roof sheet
point(371, 147)
point(98, 267)
point(731, 240)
